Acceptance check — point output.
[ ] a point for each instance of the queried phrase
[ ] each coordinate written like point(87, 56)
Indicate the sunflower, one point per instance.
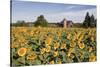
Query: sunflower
point(68, 36)
point(72, 44)
point(81, 45)
point(71, 50)
point(63, 46)
point(90, 49)
point(55, 53)
point(52, 62)
point(48, 41)
point(71, 56)
point(22, 51)
point(59, 34)
point(43, 50)
point(80, 38)
point(92, 38)
point(31, 56)
point(48, 48)
point(92, 58)
point(68, 54)
point(14, 45)
point(81, 55)
point(22, 41)
point(56, 46)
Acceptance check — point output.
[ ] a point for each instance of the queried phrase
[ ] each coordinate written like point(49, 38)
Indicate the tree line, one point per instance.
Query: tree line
point(89, 22)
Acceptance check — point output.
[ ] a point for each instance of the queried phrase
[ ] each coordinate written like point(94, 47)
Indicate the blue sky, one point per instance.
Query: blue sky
point(53, 12)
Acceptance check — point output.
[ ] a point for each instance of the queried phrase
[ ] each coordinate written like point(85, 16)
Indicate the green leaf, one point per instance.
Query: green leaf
point(37, 62)
point(21, 60)
point(45, 55)
point(41, 57)
point(64, 58)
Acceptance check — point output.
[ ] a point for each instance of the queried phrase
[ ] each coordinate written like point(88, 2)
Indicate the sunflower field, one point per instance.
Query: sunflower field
point(36, 46)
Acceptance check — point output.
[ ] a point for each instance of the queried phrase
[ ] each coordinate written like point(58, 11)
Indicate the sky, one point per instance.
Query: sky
point(53, 12)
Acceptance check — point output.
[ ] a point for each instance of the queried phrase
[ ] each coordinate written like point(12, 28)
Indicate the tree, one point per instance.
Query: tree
point(89, 21)
point(93, 22)
point(41, 21)
point(19, 23)
point(86, 22)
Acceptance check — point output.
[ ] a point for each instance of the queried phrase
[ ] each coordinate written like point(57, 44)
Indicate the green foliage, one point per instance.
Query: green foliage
point(41, 21)
point(77, 25)
point(89, 21)
point(19, 23)
point(93, 22)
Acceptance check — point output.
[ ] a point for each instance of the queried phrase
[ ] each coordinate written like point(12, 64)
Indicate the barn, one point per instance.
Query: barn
point(66, 23)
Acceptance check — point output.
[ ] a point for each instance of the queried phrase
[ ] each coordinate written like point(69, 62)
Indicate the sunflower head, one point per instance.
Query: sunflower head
point(55, 53)
point(52, 62)
point(31, 56)
point(72, 44)
point(81, 45)
point(90, 49)
point(56, 46)
point(22, 51)
point(48, 41)
point(43, 50)
point(68, 54)
point(48, 48)
point(92, 38)
point(63, 46)
point(92, 58)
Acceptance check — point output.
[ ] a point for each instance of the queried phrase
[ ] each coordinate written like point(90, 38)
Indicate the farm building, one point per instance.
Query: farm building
point(66, 23)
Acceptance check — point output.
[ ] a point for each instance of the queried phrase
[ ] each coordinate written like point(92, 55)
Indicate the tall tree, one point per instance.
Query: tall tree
point(93, 22)
point(87, 20)
point(41, 21)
